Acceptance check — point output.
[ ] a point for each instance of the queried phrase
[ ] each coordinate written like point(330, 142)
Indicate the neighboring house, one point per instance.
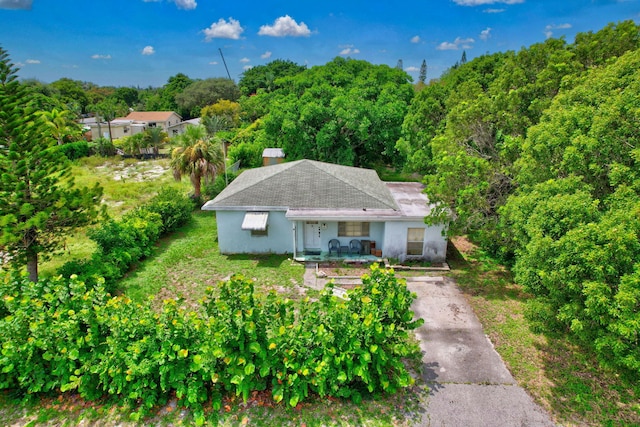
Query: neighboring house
point(299, 207)
point(150, 119)
point(135, 122)
point(179, 128)
point(272, 156)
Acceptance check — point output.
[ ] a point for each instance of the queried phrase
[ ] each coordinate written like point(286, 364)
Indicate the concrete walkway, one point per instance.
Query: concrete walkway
point(469, 383)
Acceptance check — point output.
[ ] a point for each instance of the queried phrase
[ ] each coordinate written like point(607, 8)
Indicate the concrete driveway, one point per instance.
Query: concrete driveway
point(469, 383)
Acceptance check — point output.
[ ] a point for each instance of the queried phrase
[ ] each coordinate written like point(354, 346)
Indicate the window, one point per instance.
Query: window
point(415, 241)
point(260, 233)
point(353, 229)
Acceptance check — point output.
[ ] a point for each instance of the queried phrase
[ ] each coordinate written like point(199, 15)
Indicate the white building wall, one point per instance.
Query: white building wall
point(329, 230)
point(395, 241)
point(232, 239)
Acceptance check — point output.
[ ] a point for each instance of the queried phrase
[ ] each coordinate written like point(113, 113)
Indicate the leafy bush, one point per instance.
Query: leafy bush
point(211, 190)
point(75, 150)
point(62, 335)
point(103, 147)
point(173, 207)
point(124, 242)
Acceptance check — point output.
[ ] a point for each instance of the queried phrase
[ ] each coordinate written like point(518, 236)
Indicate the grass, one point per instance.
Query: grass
point(127, 183)
point(563, 378)
point(188, 262)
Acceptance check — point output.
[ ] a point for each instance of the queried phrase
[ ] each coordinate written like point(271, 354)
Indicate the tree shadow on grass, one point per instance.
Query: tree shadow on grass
point(585, 393)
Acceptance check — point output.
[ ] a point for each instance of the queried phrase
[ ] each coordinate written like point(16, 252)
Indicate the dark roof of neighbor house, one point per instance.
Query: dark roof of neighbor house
point(305, 184)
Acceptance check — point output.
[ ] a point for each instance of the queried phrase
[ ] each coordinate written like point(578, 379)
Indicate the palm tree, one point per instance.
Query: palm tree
point(155, 137)
point(197, 156)
point(61, 124)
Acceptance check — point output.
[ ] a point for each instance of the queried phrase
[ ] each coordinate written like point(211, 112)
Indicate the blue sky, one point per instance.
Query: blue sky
point(144, 42)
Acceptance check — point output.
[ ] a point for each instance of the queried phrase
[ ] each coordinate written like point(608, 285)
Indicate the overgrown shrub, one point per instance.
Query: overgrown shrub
point(75, 150)
point(211, 190)
point(124, 242)
point(102, 147)
point(173, 207)
point(62, 335)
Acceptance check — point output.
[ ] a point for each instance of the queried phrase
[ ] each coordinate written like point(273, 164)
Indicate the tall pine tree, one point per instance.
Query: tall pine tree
point(38, 200)
point(423, 72)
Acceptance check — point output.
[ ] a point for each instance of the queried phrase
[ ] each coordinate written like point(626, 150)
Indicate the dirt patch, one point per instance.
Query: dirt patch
point(333, 269)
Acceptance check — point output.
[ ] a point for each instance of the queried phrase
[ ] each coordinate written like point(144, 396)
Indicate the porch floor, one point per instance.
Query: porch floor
point(325, 257)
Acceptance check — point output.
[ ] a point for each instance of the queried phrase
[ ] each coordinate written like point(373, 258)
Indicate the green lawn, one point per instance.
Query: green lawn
point(188, 262)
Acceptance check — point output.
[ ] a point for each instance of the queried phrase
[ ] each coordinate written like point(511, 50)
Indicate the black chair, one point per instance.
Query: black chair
point(334, 246)
point(355, 247)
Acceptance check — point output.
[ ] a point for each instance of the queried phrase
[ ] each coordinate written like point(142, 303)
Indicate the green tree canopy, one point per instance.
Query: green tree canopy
point(347, 112)
point(265, 76)
point(38, 199)
point(201, 93)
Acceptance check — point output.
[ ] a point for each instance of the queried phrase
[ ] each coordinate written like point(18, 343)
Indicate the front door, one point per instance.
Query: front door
point(312, 235)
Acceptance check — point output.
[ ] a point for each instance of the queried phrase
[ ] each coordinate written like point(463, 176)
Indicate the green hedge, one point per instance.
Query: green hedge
point(124, 242)
point(62, 335)
point(75, 150)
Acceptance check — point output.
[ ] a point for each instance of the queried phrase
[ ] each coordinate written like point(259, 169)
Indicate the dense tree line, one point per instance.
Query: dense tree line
point(536, 155)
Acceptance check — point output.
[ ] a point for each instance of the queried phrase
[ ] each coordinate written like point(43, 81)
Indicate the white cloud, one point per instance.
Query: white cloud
point(447, 46)
point(32, 61)
point(148, 50)
point(548, 30)
point(247, 67)
point(245, 60)
point(457, 44)
point(16, 4)
point(285, 26)
point(186, 4)
point(481, 2)
point(224, 30)
point(349, 50)
point(266, 55)
point(412, 69)
point(494, 10)
point(182, 4)
point(485, 34)
point(415, 39)
point(213, 63)
point(97, 56)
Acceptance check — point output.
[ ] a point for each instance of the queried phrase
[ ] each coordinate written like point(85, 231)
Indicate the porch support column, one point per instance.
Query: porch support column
point(295, 240)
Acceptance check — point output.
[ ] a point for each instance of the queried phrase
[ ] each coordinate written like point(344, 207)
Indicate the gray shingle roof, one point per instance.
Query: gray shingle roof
point(306, 184)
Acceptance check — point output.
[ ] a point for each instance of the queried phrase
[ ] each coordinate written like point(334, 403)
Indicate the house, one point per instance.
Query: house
point(303, 207)
point(150, 119)
point(179, 128)
point(135, 122)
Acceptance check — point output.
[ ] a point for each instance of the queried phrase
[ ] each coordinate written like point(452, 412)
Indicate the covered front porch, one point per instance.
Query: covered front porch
point(313, 256)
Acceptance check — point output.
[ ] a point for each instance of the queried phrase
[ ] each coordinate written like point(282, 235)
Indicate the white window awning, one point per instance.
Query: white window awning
point(255, 221)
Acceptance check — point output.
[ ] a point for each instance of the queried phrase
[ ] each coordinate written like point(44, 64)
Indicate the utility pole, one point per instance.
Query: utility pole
point(225, 64)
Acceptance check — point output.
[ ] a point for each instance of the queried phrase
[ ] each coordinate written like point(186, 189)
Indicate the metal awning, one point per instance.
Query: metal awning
point(255, 221)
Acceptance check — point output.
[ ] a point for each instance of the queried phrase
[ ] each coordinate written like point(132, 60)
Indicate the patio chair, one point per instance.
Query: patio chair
point(334, 245)
point(355, 247)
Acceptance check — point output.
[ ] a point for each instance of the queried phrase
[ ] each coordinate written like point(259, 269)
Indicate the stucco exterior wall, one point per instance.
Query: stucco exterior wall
point(232, 239)
point(395, 241)
point(329, 230)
